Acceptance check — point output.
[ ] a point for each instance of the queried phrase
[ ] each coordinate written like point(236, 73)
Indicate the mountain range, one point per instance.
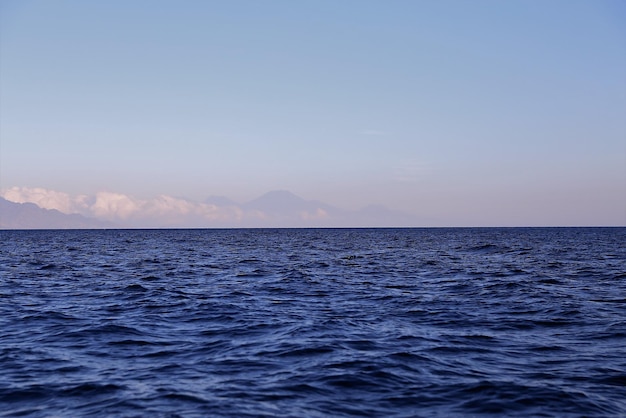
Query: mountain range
point(274, 209)
point(282, 208)
point(30, 216)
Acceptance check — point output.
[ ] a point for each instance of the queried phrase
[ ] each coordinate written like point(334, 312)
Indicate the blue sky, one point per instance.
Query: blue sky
point(465, 112)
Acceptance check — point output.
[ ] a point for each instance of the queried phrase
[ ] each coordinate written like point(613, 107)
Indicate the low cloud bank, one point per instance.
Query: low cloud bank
point(47, 199)
point(275, 209)
point(125, 210)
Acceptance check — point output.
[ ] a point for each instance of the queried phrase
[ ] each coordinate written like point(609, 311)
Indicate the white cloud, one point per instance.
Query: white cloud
point(165, 211)
point(126, 210)
point(164, 204)
point(47, 199)
point(113, 206)
point(317, 215)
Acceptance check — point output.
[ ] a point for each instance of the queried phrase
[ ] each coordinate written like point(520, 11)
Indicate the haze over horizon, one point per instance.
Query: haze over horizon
point(40, 208)
point(479, 113)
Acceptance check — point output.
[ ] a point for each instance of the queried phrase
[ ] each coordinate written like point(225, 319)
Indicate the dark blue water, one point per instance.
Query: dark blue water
point(313, 323)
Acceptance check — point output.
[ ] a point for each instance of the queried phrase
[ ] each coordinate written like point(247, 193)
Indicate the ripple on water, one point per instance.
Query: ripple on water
point(370, 322)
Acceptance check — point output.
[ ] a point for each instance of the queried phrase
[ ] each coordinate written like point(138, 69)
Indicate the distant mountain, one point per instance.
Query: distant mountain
point(282, 202)
point(276, 209)
point(30, 216)
point(283, 208)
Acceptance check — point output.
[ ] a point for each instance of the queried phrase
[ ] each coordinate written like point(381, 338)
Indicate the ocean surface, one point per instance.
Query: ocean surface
point(313, 323)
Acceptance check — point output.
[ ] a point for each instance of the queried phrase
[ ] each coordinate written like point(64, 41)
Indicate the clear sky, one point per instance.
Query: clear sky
point(466, 112)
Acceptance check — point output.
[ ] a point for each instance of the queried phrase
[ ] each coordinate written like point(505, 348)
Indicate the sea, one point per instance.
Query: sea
point(434, 322)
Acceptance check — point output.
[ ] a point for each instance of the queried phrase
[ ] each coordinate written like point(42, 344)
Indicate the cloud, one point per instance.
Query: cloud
point(115, 206)
point(47, 199)
point(127, 210)
point(160, 211)
point(274, 209)
point(319, 214)
point(167, 207)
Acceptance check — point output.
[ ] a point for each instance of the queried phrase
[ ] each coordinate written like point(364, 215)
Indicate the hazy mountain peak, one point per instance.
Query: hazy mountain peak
point(280, 194)
point(277, 208)
point(280, 202)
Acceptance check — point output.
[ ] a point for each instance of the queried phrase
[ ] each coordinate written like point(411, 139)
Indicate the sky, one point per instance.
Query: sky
point(461, 113)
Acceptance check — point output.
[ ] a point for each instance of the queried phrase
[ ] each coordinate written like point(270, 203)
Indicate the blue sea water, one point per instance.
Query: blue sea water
point(313, 322)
